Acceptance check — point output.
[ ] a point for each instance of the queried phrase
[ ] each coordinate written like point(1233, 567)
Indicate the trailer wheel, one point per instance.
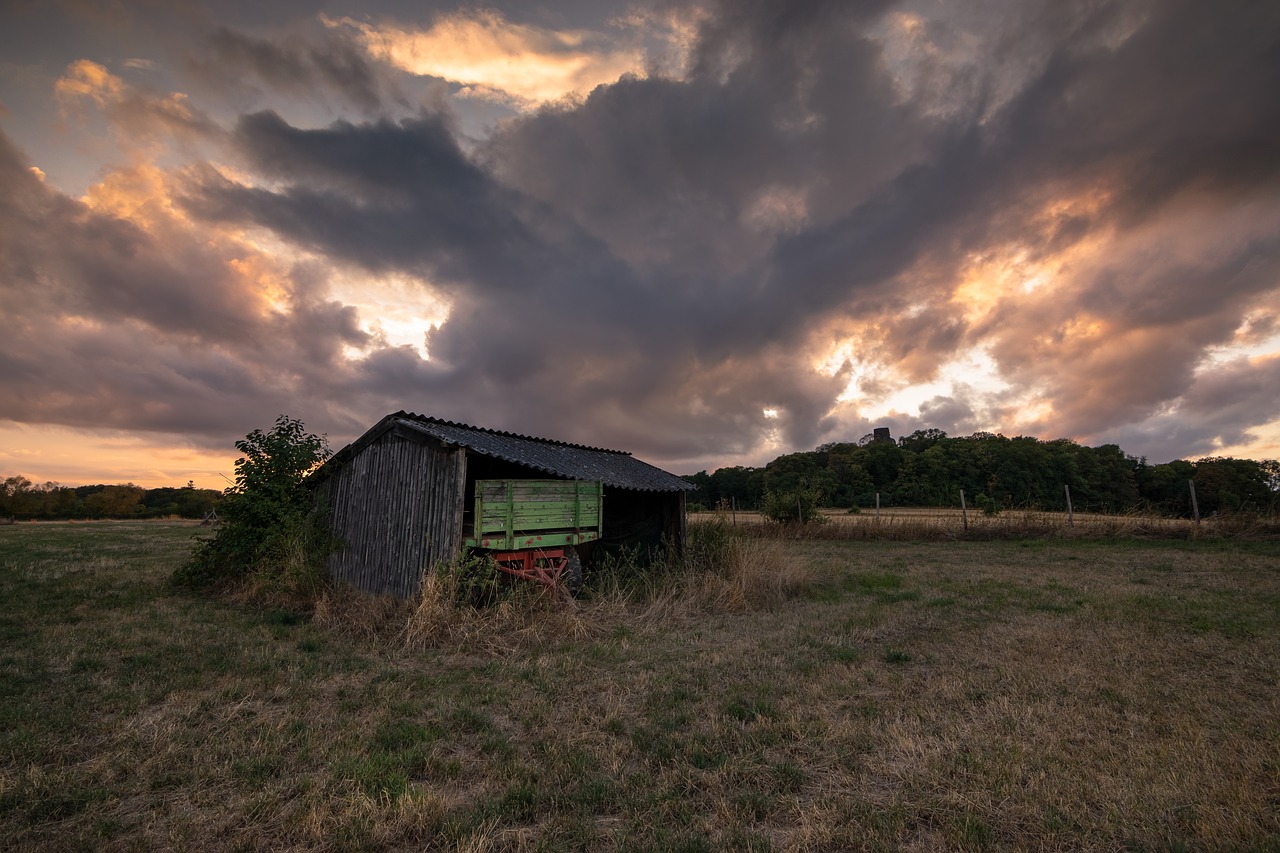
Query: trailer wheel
point(572, 574)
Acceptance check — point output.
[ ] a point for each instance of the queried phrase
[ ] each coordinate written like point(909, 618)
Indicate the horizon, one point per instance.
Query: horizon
point(706, 233)
point(229, 480)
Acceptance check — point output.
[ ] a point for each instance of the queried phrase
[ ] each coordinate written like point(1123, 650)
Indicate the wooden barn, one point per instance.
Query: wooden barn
point(402, 497)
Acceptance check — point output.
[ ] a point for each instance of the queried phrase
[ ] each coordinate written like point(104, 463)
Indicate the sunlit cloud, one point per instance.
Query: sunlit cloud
point(493, 58)
point(87, 79)
point(144, 121)
point(142, 194)
point(396, 310)
point(972, 376)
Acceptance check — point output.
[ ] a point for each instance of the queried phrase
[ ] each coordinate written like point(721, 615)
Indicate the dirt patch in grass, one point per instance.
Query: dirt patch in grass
point(915, 695)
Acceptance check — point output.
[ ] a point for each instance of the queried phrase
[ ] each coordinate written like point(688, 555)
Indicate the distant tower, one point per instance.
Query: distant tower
point(882, 434)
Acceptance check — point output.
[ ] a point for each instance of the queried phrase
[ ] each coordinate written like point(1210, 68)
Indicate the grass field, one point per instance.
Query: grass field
point(1038, 694)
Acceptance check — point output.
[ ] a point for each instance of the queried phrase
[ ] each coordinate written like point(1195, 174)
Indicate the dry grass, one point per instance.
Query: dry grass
point(724, 573)
point(919, 523)
point(1049, 694)
point(744, 573)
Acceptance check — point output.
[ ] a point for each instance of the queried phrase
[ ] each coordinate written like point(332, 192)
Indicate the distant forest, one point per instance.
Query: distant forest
point(22, 500)
point(929, 468)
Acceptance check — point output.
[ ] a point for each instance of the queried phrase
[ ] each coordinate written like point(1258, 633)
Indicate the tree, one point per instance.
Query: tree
point(270, 524)
point(853, 485)
point(927, 468)
point(796, 472)
point(738, 485)
point(921, 440)
point(115, 501)
point(15, 495)
point(1164, 486)
point(1226, 484)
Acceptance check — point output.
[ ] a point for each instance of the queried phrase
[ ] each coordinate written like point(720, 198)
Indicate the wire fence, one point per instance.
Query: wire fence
point(954, 523)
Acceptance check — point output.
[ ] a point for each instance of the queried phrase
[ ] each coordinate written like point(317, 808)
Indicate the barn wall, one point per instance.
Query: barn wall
point(397, 507)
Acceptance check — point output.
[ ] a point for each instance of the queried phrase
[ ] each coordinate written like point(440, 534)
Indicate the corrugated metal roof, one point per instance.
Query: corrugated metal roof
point(575, 461)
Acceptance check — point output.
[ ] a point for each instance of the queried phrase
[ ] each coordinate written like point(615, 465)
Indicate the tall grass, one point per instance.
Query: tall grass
point(723, 570)
point(468, 605)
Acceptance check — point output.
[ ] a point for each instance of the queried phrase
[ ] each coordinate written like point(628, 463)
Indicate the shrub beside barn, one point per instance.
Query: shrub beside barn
point(401, 496)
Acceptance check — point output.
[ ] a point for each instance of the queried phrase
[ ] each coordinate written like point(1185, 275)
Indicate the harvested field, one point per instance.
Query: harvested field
point(934, 522)
point(1058, 694)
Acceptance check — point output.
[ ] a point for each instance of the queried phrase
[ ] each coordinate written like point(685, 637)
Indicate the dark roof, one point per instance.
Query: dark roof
point(615, 468)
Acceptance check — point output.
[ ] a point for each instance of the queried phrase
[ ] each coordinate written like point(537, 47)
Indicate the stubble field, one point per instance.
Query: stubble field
point(1037, 694)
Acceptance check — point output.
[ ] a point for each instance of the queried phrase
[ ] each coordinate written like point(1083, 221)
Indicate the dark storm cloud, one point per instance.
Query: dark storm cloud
point(545, 320)
point(383, 195)
point(645, 262)
point(1223, 403)
point(663, 251)
point(654, 266)
point(331, 62)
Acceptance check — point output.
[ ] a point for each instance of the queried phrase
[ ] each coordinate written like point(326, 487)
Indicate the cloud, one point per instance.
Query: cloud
point(543, 320)
point(492, 58)
point(141, 117)
point(121, 313)
point(1047, 219)
point(294, 66)
point(709, 240)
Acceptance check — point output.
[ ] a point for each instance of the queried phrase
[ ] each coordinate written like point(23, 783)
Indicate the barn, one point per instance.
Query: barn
point(400, 496)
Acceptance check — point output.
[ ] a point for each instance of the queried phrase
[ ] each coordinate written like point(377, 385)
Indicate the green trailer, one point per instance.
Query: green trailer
point(531, 528)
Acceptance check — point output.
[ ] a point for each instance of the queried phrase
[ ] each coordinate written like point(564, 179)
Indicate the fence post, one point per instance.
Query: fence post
point(1195, 506)
point(964, 511)
point(733, 504)
point(1071, 519)
point(877, 506)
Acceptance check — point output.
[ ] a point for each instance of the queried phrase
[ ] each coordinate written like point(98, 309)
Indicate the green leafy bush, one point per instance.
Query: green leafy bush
point(271, 531)
point(794, 505)
point(474, 580)
point(989, 505)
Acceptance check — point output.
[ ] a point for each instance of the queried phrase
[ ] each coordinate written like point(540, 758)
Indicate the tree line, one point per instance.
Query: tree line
point(22, 500)
point(930, 468)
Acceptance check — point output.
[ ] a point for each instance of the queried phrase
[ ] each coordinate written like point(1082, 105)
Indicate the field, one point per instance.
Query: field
point(928, 522)
point(1056, 694)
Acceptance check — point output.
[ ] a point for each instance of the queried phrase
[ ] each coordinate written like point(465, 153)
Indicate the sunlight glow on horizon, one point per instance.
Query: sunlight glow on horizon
point(78, 457)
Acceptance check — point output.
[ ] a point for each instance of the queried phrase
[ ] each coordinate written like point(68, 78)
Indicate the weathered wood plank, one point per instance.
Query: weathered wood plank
point(395, 506)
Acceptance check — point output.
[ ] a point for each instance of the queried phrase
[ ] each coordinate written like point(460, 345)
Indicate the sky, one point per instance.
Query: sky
point(707, 233)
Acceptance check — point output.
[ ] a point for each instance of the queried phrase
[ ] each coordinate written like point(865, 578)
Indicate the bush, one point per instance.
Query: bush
point(795, 505)
point(989, 506)
point(474, 580)
point(272, 531)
